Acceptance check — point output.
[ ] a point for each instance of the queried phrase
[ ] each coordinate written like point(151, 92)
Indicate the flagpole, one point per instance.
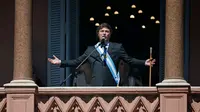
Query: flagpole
point(150, 67)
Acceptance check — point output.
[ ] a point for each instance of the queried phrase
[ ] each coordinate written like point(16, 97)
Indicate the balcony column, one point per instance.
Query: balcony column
point(173, 89)
point(21, 90)
point(174, 50)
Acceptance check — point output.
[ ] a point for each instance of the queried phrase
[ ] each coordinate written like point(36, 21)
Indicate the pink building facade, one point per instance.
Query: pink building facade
point(19, 93)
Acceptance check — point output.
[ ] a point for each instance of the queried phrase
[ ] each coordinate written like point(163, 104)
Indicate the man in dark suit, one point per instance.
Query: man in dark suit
point(103, 58)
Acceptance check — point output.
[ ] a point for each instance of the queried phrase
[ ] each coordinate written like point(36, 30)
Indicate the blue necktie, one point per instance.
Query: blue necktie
point(104, 54)
point(104, 59)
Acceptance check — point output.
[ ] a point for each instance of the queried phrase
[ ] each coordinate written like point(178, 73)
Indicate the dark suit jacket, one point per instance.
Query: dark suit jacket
point(101, 75)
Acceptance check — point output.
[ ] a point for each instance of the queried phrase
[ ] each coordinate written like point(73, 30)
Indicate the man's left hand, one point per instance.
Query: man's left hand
point(150, 62)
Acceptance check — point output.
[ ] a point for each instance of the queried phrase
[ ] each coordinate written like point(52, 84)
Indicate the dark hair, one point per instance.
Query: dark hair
point(103, 25)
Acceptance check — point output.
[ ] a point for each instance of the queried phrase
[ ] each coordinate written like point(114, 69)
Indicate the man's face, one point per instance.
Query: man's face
point(104, 33)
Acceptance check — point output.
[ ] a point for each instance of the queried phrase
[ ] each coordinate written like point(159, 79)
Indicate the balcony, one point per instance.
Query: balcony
point(99, 99)
point(173, 94)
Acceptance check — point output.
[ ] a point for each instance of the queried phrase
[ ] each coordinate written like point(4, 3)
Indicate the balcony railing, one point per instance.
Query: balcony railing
point(106, 99)
point(99, 99)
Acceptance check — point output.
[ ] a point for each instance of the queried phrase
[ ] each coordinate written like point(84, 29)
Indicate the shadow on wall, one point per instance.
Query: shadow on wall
point(36, 78)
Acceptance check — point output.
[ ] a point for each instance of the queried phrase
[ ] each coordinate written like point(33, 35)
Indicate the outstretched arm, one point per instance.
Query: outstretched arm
point(69, 63)
point(74, 62)
point(55, 60)
point(150, 62)
point(65, 63)
point(133, 61)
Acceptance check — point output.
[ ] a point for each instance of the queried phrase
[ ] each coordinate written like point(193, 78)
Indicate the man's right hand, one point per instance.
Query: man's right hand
point(55, 61)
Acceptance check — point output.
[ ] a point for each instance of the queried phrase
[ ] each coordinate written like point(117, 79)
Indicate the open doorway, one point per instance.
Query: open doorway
point(136, 26)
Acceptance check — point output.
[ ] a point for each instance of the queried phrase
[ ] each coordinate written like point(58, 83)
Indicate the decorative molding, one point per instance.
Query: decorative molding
point(99, 103)
point(194, 102)
point(173, 102)
point(20, 102)
point(96, 90)
point(3, 105)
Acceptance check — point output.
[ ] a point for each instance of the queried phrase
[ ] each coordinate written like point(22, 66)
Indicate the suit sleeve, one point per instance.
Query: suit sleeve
point(133, 61)
point(74, 62)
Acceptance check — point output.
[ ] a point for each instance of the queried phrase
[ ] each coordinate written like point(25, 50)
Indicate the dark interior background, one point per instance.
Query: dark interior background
point(129, 32)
